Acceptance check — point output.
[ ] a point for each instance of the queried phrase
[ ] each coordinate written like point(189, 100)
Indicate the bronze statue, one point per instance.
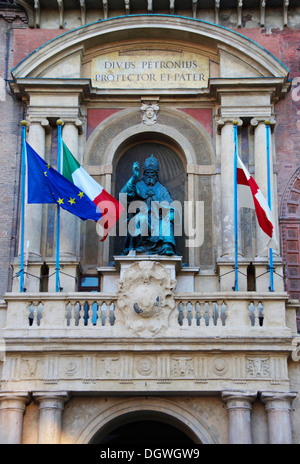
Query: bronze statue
point(151, 218)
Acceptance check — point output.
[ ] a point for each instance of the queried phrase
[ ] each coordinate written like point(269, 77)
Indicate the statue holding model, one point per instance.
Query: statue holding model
point(150, 218)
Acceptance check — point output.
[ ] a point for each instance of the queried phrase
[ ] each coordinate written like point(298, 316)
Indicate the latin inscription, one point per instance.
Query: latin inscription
point(184, 70)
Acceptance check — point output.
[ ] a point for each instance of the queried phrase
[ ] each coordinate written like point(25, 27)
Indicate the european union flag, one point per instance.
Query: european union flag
point(46, 185)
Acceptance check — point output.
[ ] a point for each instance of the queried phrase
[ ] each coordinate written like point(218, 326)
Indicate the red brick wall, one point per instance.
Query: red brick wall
point(28, 40)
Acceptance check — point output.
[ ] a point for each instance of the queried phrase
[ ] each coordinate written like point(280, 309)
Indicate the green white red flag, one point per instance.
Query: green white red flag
point(110, 207)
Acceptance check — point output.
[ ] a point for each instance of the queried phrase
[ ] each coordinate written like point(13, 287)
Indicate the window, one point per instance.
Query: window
point(89, 283)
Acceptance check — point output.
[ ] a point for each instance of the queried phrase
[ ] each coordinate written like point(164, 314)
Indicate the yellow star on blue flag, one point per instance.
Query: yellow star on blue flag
point(49, 186)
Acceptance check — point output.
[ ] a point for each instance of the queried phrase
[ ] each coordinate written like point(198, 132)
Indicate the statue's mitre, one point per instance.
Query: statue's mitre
point(151, 164)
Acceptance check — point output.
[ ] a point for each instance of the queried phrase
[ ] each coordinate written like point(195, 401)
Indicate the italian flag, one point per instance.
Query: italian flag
point(110, 208)
point(250, 196)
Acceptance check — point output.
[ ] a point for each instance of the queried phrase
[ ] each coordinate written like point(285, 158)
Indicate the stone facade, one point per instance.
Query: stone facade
point(156, 337)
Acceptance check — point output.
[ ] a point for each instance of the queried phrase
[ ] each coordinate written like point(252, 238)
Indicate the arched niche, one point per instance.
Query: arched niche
point(182, 143)
point(172, 174)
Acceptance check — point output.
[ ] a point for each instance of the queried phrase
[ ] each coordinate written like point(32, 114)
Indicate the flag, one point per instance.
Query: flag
point(250, 196)
point(110, 207)
point(46, 185)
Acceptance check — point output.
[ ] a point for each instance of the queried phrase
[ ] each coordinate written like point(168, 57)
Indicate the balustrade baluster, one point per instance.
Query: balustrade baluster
point(88, 313)
point(260, 314)
point(224, 313)
point(94, 313)
point(112, 313)
point(210, 314)
point(81, 318)
point(35, 314)
point(39, 314)
point(202, 316)
point(30, 313)
point(68, 314)
point(252, 313)
point(197, 313)
point(180, 313)
point(103, 311)
point(190, 313)
point(185, 322)
point(219, 314)
point(193, 319)
point(77, 315)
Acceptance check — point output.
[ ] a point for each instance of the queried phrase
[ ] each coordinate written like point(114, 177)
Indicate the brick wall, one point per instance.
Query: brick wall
point(10, 142)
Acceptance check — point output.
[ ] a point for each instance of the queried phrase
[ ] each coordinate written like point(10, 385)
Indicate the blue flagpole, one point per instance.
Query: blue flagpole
point(236, 264)
point(23, 166)
point(59, 123)
point(267, 124)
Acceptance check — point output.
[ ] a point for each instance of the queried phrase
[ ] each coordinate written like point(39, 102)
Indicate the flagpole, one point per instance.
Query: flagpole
point(267, 124)
point(59, 123)
point(23, 165)
point(236, 264)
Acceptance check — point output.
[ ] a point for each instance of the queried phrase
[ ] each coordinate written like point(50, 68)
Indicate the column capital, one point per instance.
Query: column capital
point(75, 122)
point(238, 399)
point(277, 400)
point(53, 400)
point(259, 120)
point(222, 121)
point(37, 120)
point(20, 396)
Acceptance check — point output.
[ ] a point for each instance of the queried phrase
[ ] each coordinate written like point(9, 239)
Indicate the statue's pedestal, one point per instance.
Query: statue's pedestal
point(172, 264)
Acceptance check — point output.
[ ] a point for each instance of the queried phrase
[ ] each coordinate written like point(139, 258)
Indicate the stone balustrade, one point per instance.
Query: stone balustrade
point(99, 314)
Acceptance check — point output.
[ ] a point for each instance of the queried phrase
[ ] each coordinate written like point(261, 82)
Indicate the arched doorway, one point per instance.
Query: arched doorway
point(144, 428)
point(146, 432)
point(149, 412)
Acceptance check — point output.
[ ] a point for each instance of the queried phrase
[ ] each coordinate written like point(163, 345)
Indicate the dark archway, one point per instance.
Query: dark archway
point(145, 432)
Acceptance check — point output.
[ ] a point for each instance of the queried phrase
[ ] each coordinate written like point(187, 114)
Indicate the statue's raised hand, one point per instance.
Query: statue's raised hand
point(136, 170)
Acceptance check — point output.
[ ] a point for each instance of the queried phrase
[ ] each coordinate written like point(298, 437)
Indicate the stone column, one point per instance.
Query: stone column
point(239, 406)
point(227, 186)
point(69, 224)
point(51, 406)
point(33, 217)
point(33, 212)
point(12, 409)
point(261, 175)
point(69, 228)
point(278, 407)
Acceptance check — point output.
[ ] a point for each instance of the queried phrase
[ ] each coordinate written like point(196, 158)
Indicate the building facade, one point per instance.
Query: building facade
point(201, 362)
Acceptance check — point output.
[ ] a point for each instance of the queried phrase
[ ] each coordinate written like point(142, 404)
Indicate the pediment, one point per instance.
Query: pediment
point(225, 54)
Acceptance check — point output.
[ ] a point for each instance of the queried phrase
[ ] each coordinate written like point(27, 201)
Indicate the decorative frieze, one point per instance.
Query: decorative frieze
point(134, 367)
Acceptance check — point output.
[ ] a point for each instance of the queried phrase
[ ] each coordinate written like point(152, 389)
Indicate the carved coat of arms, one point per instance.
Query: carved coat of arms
point(145, 298)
